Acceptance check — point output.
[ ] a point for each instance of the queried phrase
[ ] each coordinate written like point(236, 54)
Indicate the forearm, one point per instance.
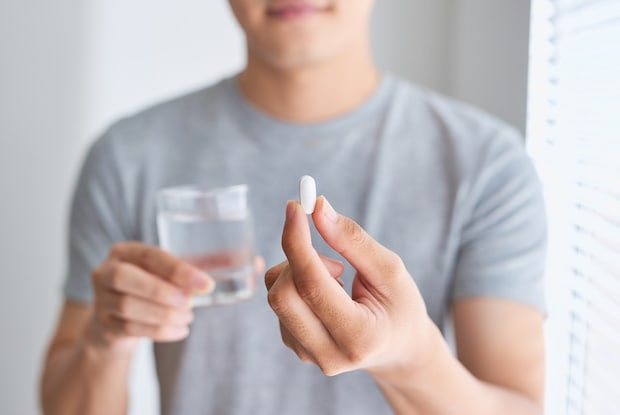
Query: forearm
point(78, 379)
point(445, 387)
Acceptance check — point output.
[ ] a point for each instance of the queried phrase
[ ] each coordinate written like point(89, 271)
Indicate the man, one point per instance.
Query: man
point(451, 222)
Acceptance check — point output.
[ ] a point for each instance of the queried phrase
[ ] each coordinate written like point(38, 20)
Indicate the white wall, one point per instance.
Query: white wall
point(143, 51)
point(489, 54)
point(67, 69)
point(411, 38)
point(474, 50)
point(39, 144)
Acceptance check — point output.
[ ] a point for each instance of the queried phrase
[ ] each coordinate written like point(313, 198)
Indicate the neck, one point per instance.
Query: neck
point(313, 93)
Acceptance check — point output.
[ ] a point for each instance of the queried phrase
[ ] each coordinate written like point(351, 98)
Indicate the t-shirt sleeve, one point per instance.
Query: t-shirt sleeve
point(97, 219)
point(503, 238)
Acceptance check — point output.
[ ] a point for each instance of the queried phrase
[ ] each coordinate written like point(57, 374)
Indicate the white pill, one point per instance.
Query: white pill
point(307, 194)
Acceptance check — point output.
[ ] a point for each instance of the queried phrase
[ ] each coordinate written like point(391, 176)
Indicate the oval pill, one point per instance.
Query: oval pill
point(307, 194)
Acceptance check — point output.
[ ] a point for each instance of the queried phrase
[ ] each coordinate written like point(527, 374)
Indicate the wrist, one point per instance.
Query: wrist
point(99, 346)
point(417, 363)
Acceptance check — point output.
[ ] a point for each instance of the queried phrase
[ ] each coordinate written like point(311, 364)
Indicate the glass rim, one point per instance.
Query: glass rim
point(195, 191)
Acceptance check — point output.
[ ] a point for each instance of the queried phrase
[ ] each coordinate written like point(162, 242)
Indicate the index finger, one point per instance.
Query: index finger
point(164, 265)
point(315, 285)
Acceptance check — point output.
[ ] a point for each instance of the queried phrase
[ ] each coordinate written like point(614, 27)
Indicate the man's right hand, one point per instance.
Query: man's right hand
point(142, 291)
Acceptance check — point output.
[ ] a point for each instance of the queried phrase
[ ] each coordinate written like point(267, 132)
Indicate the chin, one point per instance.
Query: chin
point(297, 59)
point(297, 51)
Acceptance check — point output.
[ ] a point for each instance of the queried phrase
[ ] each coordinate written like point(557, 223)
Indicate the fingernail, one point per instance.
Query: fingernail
point(329, 212)
point(201, 283)
point(290, 209)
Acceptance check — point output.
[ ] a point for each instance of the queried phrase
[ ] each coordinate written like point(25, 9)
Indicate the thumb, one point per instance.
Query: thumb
point(372, 260)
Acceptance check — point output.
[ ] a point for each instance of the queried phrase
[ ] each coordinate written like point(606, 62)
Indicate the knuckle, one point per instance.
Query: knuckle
point(277, 302)
point(123, 306)
point(310, 292)
point(301, 353)
point(361, 346)
point(161, 332)
point(168, 316)
point(355, 232)
point(272, 272)
point(305, 357)
point(95, 274)
point(286, 339)
point(394, 263)
point(270, 277)
point(117, 249)
point(117, 274)
point(99, 311)
point(126, 327)
point(308, 286)
point(148, 255)
point(156, 292)
point(355, 355)
point(328, 368)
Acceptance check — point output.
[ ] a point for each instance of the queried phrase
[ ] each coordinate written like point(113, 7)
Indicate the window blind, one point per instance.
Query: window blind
point(574, 140)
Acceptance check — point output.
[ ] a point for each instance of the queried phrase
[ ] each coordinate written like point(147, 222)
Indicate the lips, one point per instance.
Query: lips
point(293, 9)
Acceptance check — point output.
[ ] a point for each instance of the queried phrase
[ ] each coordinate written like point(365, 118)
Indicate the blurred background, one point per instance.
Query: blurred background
point(68, 69)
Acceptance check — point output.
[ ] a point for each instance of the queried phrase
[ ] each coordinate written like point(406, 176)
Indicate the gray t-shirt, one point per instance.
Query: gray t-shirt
point(447, 187)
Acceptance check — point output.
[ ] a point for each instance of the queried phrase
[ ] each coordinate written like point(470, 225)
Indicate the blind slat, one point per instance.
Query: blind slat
point(574, 138)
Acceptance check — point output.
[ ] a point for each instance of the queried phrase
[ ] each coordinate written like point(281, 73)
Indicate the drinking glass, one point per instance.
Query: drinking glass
point(211, 229)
